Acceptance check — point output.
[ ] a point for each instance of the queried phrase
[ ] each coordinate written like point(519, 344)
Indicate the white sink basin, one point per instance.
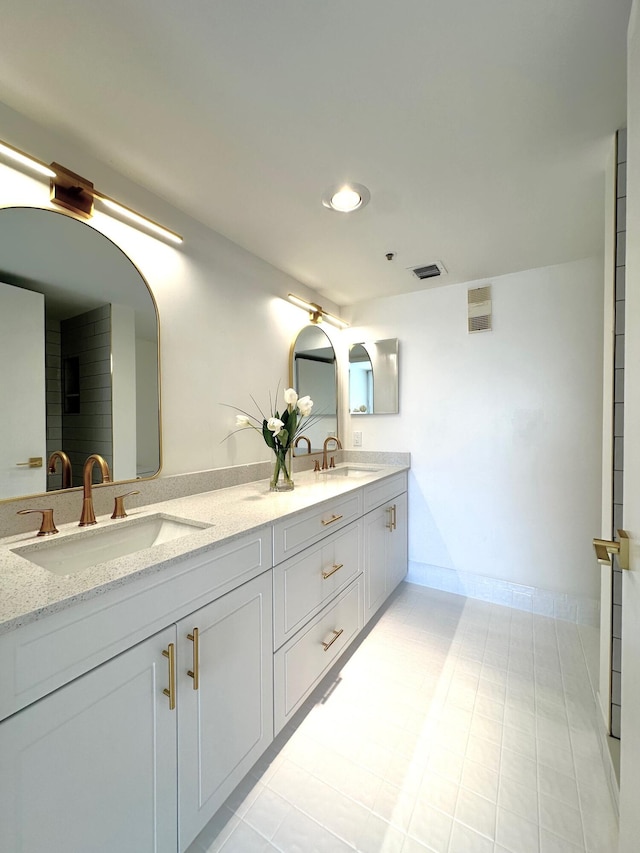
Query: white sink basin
point(351, 471)
point(81, 551)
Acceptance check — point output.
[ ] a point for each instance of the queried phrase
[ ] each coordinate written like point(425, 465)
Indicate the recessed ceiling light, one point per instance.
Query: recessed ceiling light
point(346, 198)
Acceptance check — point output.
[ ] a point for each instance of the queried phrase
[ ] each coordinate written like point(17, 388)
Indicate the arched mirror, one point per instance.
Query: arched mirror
point(373, 377)
point(313, 372)
point(79, 349)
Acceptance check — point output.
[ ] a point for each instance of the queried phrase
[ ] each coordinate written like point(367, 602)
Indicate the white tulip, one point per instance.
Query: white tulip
point(274, 425)
point(242, 421)
point(305, 404)
point(290, 397)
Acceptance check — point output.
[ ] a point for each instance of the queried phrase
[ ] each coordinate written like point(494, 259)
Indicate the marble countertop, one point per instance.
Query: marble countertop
point(29, 592)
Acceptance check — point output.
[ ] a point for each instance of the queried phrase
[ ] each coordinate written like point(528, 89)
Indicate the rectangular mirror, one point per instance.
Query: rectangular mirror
point(373, 378)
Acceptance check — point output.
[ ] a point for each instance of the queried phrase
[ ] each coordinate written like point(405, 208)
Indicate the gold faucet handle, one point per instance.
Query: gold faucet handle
point(316, 467)
point(118, 507)
point(332, 463)
point(47, 527)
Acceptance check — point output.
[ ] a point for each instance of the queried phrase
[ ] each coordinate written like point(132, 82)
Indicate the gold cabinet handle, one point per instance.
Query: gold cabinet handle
point(394, 516)
point(195, 672)
point(604, 549)
point(331, 520)
point(332, 571)
point(170, 652)
point(336, 634)
point(34, 462)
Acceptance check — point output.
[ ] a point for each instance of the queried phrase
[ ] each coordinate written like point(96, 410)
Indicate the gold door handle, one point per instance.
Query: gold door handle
point(331, 520)
point(336, 567)
point(604, 549)
point(170, 652)
point(34, 462)
point(336, 634)
point(195, 672)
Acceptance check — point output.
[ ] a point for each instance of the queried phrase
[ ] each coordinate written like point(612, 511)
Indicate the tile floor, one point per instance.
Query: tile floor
point(456, 726)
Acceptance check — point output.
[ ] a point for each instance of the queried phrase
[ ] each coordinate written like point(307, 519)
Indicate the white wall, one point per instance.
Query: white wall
point(504, 427)
point(225, 325)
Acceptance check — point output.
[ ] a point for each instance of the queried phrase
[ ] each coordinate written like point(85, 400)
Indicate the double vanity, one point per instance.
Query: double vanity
point(149, 662)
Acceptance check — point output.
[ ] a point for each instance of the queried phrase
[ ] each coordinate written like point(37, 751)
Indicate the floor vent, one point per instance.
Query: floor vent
point(429, 270)
point(479, 309)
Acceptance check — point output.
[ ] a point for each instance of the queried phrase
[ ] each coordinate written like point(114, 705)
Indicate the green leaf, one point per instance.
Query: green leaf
point(283, 437)
point(268, 436)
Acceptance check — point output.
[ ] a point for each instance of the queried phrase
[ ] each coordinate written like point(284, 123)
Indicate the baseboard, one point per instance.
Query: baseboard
point(544, 602)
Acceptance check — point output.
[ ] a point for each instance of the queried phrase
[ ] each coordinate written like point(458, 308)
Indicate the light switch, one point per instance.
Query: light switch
point(357, 438)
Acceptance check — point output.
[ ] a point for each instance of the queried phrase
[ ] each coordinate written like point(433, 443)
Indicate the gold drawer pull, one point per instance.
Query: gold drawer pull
point(171, 692)
point(392, 518)
point(336, 567)
point(195, 672)
point(331, 520)
point(336, 634)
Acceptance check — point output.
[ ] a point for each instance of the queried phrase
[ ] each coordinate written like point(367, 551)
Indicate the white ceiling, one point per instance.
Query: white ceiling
point(480, 127)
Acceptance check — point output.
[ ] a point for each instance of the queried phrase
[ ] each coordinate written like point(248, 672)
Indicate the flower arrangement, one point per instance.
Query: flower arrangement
point(279, 431)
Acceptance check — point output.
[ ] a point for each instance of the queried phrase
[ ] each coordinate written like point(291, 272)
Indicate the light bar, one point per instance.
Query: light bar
point(127, 213)
point(18, 156)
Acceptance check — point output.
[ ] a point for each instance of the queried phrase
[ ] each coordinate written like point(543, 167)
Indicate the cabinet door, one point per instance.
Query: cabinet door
point(385, 550)
point(397, 544)
point(375, 539)
point(227, 722)
point(92, 767)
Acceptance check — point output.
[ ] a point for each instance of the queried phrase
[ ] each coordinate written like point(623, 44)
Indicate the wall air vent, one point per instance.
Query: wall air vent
point(479, 309)
point(429, 270)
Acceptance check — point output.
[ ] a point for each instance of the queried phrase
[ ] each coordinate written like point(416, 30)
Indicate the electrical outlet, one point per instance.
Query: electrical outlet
point(357, 438)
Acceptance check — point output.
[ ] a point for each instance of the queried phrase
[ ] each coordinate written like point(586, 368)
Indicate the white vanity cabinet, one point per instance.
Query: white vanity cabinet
point(93, 765)
point(105, 763)
point(225, 699)
point(385, 536)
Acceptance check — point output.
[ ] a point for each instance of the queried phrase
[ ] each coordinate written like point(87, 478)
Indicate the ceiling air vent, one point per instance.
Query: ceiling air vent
point(479, 309)
point(429, 270)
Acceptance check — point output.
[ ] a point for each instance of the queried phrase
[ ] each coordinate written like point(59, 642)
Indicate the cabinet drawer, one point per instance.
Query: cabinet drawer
point(292, 535)
point(300, 664)
point(382, 491)
point(303, 584)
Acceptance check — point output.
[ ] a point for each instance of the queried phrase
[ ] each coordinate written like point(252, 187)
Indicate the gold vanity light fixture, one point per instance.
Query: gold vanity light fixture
point(77, 195)
point(316, 312)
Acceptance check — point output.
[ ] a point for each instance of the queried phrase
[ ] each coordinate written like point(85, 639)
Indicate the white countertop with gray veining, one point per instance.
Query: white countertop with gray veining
point(29, 592)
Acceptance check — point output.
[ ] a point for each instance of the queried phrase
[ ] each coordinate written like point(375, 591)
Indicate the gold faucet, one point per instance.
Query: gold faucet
point(303, 438)
point(66, 467)
point(88, 515)
point(325, 467)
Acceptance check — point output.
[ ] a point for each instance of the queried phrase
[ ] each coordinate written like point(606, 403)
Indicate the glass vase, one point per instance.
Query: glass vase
point(281, 479)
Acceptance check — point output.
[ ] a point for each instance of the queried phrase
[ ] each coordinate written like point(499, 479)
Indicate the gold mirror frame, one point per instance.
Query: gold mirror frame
point(312, 371)
point(10, 274)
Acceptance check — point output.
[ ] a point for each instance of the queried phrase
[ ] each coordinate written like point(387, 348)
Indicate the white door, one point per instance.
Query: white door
point(630, 722)
point(226, 723)
point(92, 767)
point(23, 425)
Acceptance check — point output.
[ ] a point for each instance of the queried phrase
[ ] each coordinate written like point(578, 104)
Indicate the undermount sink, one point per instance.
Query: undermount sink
point(83, 550)
point(352, 471)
